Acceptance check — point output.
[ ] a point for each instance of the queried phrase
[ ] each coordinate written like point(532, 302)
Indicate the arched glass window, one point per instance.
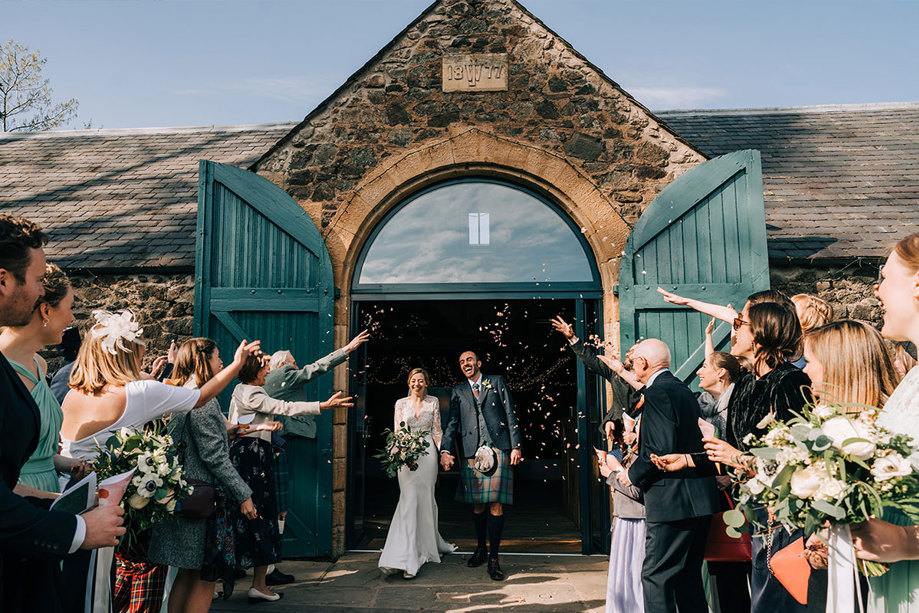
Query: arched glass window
point(475, 232)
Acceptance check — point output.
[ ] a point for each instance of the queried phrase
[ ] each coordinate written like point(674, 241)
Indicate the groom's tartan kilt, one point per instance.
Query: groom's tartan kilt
point(497, 487)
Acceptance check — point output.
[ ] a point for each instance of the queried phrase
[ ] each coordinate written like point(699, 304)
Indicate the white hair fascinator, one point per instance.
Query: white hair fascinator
point(114, 328)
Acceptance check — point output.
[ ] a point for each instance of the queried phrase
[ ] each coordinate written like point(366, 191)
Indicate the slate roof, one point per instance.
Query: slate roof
point(120, 199)
point(839, 181)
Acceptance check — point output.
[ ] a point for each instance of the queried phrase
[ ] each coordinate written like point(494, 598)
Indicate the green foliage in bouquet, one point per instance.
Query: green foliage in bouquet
point(403, 448)
point(157, 484)
point(830, 463)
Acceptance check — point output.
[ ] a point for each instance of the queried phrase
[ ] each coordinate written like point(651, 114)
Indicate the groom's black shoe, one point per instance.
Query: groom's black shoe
point(494, 571)
point(477, 558)
point(276, 577)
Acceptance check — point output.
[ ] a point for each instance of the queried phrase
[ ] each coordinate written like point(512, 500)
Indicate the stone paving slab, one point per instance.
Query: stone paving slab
point(353, 583)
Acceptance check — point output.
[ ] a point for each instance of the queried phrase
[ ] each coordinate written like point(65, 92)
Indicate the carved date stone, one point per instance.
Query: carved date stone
point(484, 72)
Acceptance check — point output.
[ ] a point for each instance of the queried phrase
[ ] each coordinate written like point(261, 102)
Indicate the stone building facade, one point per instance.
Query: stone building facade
point(122, 207)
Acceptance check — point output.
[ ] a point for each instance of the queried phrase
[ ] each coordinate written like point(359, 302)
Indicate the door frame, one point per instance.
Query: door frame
point(582, 411)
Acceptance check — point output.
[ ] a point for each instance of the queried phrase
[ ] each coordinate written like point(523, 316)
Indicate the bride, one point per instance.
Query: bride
point(413, 537)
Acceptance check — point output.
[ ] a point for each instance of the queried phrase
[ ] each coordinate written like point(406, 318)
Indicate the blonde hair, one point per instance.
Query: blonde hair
point(857, 368)
point(193, 359)
point(95, 367)
point(812, 311)
point(422, 372)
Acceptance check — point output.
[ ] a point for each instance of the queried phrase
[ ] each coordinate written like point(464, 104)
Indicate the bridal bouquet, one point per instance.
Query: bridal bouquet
point(403, 448)
point(157, 484)
point(827, 465)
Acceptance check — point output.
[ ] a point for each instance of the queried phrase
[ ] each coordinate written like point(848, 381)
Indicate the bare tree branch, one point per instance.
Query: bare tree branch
point(26, 103)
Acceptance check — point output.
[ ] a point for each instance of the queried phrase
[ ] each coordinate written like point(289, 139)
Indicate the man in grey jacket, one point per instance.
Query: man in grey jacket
point(287, 382)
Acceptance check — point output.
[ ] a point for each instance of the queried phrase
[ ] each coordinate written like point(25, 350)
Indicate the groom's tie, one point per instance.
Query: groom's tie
point(475, 389)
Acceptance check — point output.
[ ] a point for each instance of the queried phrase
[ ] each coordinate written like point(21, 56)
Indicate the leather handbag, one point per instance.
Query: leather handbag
point(201, 502)
point(723, 548)
point(792, 570)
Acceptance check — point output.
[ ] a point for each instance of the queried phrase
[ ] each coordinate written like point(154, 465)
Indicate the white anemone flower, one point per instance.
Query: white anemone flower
point(890, 466)
point(149, 483)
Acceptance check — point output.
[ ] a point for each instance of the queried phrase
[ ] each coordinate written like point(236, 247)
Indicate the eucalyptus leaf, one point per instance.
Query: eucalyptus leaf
point(801, 432)
point(829, 509)
point(822, 443)
point(767, 453)
point(734, 518)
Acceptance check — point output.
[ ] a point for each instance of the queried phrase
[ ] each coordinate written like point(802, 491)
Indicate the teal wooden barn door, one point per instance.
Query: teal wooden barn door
point(263, 272)
point(703, 237)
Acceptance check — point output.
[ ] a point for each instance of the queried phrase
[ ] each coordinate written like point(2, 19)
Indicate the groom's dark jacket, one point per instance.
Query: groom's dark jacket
point(497, 409)
point(670, 424)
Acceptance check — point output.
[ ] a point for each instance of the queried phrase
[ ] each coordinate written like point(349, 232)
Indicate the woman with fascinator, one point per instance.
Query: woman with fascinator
point(413, 537)
point(109, 392)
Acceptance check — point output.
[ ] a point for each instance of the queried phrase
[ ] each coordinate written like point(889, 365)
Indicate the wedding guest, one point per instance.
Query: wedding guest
point(68, 348)
point(413, 538)
point(109, 392)
point(678, 505)
point(32, 539)
point(812, 312)
point(848, 363)
point(202, 549)
point(20, 346)
point(286, 381)
point(625, 396)
point(769, 335)
point(258, 542)
point(627, 548)
point(717, 375)
point(894, 539)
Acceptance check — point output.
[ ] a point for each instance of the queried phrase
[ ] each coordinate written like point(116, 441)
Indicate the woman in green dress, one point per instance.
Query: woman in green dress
point(20, 346)
point(894, 539)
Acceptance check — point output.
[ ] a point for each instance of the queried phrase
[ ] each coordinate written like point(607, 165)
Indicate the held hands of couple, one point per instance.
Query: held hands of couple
point(446, 460)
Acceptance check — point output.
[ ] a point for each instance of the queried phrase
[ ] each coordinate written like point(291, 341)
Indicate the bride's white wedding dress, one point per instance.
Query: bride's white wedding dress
point(413, 537)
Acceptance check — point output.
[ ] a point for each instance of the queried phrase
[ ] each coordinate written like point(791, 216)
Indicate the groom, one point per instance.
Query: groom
point(482, 412)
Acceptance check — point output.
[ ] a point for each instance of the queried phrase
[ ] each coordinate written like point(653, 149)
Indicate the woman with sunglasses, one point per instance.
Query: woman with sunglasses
point(768, 334)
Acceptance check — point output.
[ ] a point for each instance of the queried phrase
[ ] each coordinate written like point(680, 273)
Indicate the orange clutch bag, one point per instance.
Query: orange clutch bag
point(790, 567)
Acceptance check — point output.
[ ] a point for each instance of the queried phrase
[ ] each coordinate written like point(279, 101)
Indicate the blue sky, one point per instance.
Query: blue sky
point(179, 63)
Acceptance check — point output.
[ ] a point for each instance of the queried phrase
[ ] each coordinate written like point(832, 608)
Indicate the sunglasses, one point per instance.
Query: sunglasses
point(739, 323)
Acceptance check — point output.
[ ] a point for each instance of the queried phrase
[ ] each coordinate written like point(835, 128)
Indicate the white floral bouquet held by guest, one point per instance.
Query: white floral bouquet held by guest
point(158, 484)
point(829, 465)
point(403, 448)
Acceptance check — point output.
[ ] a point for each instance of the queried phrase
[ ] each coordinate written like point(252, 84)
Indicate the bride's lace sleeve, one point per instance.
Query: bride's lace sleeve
point(397, 415)
point(436, 431)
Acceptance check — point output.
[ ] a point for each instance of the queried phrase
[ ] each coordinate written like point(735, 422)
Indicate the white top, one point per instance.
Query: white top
point(655, 376)
point(144, 401)
point(901, 413)
point(249, 399)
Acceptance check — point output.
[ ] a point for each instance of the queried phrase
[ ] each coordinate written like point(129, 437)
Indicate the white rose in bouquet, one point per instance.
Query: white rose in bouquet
point(840, 429)
point(806, 482)
point(755, 486)
point(830, 489)
point(890, 466)
point(137, 501)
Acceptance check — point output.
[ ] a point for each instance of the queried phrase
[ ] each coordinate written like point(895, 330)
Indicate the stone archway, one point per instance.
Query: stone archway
point(475, 152)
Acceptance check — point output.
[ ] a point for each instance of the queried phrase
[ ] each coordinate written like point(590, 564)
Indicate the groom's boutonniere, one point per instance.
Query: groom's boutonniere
point(486, 383)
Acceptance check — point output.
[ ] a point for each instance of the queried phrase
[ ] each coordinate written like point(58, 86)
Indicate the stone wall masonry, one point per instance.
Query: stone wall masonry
point(163, 305)
point(555, 100)
point(849, 289)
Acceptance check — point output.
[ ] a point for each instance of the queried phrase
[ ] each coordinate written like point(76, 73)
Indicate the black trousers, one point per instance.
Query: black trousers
point(671, 575)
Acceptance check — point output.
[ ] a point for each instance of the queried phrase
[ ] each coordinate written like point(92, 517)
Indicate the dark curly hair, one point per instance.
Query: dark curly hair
point(17, 236)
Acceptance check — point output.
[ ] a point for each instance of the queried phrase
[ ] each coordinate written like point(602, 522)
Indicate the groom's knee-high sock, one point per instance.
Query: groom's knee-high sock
point(480, 527)
point(495, 525)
